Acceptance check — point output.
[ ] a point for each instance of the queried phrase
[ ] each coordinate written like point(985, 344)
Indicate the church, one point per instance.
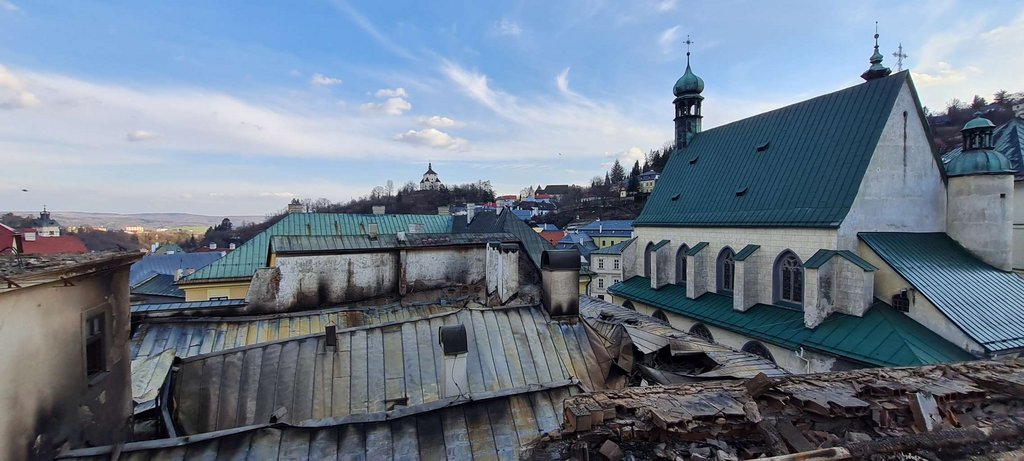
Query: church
point(430, 181)
point(829, 235)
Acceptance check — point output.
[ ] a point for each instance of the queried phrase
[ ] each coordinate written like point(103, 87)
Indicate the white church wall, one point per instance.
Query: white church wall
point(1018, 225)
point(902, 189)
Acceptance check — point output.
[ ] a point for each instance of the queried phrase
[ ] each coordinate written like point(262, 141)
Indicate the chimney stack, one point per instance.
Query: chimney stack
point(470, 212)
point(378, 210)
point(373, 232)
point(231, 246)
point(294, 206)
point(443, 210)
point(560, 282)
point(213, 246)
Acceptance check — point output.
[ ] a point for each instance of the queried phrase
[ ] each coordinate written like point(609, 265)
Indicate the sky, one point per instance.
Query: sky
point(235, 107)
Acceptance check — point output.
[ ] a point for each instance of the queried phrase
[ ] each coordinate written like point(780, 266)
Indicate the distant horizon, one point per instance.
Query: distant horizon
point(236, 108)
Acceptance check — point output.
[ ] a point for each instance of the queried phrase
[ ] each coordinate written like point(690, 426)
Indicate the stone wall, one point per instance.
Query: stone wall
point(981, 216)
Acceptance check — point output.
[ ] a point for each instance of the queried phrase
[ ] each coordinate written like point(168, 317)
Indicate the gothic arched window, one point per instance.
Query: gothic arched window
point(648, 258)
point(701, 331)
point(726, 269)
point(681, 264)
point(758, 349)
point(789, 278)
point(660, 315)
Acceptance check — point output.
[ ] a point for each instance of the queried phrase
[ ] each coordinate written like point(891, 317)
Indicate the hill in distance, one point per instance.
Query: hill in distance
point(149, 221)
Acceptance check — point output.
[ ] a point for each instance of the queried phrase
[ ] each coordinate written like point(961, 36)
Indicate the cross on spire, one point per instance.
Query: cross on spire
point(688, 42)
point(900, 56)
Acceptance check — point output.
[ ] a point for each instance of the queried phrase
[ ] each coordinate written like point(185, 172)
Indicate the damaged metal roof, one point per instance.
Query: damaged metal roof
point(379, 368)
point(285, 244)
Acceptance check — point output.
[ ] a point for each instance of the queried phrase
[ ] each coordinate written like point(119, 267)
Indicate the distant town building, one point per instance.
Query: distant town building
point(647, 181)
point(430, 181)
point(608, 232)
point(44, 226)
point(608, 267)
point(134, 229)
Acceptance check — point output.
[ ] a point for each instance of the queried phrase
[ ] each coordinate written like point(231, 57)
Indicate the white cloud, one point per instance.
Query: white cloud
point(323, 80)
point(389, 93)
point(626, 158)
point(666, 5)
point(509, 28)
point(392, 106)
point(668, 39)
point(13, 94)
point(430, 137)
point(4, 4)
point(277, 194)
point(141, 135)
point(439, 121)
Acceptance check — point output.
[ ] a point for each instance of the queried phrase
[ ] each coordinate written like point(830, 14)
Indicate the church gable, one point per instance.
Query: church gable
point(798, 166)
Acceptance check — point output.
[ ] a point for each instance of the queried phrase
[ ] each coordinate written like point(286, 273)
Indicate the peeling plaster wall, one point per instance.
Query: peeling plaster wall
point(46, 397)
point(441, 267)
point(1018, 225)
point(309, 281)
point(902, 189)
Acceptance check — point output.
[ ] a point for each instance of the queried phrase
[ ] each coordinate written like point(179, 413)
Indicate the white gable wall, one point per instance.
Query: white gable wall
point(902, 189)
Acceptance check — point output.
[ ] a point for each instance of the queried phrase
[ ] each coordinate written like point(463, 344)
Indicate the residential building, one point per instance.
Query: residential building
point(64, 330)
point(430, 181)
point(580, 242)
point(647, 181)
point(229, 277)
point(828, 235)
point(1008, 140)
point(609, 267)
point(154, 277)
point(166, 249)
point(44, 226)
point(608, 232)
point(134, 229)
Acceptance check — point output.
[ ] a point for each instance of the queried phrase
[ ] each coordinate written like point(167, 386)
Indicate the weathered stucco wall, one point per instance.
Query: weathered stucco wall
point(310, 281)
point(902, 189)
point(206, 291)
point(1018, 225)
point(981, 218)
point(441, 267)
point(889, 283)
point(46, 396)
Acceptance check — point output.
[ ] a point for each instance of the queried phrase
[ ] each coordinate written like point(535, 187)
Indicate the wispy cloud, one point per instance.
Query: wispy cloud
point(6, 5)
point(666, 5)
point(13, 94)
point(141, 135)
point(669, 39)
point(431, 137)
point(508, 27)
point(395, 104)
point(364, 23)
point(392, 93)
point(323, 80)
point(438, 121)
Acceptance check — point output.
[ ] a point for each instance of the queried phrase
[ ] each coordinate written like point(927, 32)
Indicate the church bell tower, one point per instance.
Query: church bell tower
point(688, 101)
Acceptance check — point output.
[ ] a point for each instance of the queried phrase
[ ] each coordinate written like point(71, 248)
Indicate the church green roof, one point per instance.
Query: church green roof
point(1008, 139)
point(983, 161)
point(688, 84)
point(798, 166)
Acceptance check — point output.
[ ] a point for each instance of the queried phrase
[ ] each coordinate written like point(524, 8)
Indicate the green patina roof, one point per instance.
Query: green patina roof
point(695, 250)
point(658, 245)
point(978, 122)
point(746, 252)
point(159, 285)
point(985, 302)
point(1008, 139)
point(244, 260)
point(614, 249)
point(979, 161)
point(808, 176)
point(883, 337)
point(823, 256)
point(688, 84)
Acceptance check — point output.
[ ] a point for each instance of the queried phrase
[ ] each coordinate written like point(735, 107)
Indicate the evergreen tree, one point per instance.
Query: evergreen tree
point(636, 170)
point(618, 173)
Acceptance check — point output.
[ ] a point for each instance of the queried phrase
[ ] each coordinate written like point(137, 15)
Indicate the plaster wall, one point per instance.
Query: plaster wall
point(207, 291)
point(902, 189)
point(1018, 225)
point(47, 398)
point(981, 216)
point(310, 281)
point(812, 362)
point(888, 283)
point(773, 241)
point(748, 281)
point(441, 267)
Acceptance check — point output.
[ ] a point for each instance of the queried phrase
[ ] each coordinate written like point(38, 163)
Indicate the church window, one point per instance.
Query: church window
point(726, 270)
point(789, 278)
point(648, 259)
point(681, 263)
point(758, 349)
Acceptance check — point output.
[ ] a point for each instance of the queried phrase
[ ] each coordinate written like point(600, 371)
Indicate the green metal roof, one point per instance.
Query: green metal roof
point(746, 252)
point(488, 221)
point(985, 302)
point(823, 256)
point(159, 285)
point(614, 249)
point(979, 161)
point(1008, 139)
point(978, 122)
point(695, 250)
point(241, 263)
point(658, 245)
point(807, 176)
point(882, 337)
point(688, 84)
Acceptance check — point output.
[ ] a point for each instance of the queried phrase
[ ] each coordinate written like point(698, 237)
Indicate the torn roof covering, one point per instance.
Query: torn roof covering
point(202, 335)
point(305, 244)
point(985, 302)
point(148, 376)
point(488, 221)
point(376, 368)
point(649, 336)
point(27, 271)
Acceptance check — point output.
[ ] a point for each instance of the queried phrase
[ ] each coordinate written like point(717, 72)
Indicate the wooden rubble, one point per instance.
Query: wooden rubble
point(946, 411)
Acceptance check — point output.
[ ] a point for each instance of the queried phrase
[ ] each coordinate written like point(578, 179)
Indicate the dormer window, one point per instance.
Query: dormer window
point(726, 270)
point(789, 279)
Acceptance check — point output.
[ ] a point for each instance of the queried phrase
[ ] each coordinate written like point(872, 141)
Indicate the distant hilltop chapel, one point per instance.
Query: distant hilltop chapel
point(430, 181)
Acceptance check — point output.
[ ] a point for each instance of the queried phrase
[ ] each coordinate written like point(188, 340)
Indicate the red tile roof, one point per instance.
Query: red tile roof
point(64, 244)
point(553, 236)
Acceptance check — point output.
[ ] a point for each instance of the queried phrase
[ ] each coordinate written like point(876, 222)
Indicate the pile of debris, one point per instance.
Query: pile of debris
point(935, 412)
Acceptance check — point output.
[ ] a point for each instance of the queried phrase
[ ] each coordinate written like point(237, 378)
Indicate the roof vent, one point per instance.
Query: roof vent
point(763, 147)
point(693, 161)
point(331, 336)
point(373, 232)
point(453, 339)
point(741, 192)
point(675, 197)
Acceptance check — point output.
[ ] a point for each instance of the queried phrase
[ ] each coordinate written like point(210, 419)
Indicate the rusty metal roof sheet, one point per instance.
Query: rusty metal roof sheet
point(190, 337)
point(374, 368)
point(497, 426)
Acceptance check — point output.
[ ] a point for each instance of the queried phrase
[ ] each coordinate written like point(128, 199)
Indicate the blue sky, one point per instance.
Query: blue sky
point(229, 108)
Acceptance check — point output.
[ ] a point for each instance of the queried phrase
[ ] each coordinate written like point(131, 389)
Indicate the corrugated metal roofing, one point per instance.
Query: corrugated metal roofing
point(499, 427)
point(882, 337)
point(808, 176)
point(489, 222)
point(168, 264)
point(614, 249)
point(251, 255)
point(822, 256)
point(1008, 139)
point(985, 302)
point(159, 285)
point(331, 243)
point(190, 305)
point(373, 367)
point(191, 337)
point(746, 252)
point(695, 250)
